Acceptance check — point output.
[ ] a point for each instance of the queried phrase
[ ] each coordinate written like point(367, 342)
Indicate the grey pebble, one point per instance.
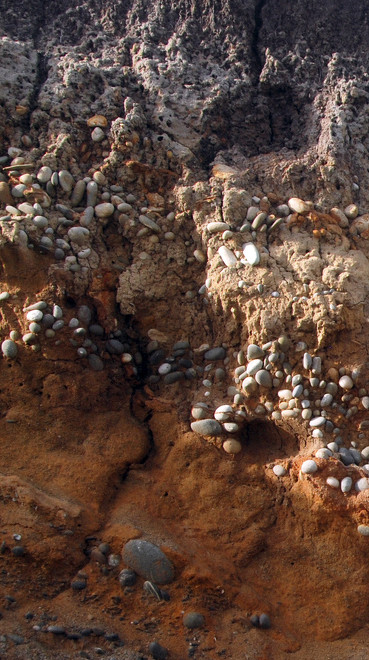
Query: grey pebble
point(56, 630)
point(18, 551)
point(78, 192)
point(78, 235)
point(84, 314)
point(95, 363)
point(127, 578)
point(16, 639)
point(264, 621)
point(9, 348)
point(207, 427)
point(78, 585)
point(66, 181)
point(173, 377)
point(157, 651)
point(48, 320)
point(215, 354)
point(92, 193)
point(264, 378)
point(148, 560)
point(114, 347)
point(346, 484)
point(193, 620)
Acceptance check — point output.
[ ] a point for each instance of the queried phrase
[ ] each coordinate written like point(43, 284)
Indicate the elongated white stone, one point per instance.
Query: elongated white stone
point(346, 484)
point(215, 227)
point(332, 482)
point(317, 421)
point(227, 256)
point(251, 254)
point(285, 395)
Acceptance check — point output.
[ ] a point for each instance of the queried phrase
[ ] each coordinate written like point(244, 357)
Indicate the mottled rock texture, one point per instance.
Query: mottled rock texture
point(206, 104)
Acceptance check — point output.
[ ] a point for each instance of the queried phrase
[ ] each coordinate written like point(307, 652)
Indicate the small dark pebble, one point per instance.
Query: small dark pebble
point(98, 632)
point(56, 630)
point(264, 621)
point(104, 548)
point(73, 635)
point(173, 377)
point(164, 595)
point(17, 639)
point(10, 599)
point(97, 555)
point(18, 551)
point(78, 585)
point(153, 379)
point(157, 651)
point(86, 632)
point(112, 637)
point(127, 578)
point(184, 362)
point(2, 547)
point(157, 356)
point(193, 620)
point(254, 620)
point(29, 616)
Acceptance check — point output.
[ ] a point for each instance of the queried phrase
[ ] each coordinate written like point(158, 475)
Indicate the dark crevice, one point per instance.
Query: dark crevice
point(258, 24)
point(41, 77)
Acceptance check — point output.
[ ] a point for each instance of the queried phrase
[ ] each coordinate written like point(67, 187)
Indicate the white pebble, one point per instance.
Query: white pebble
point(309, 467)
point(279, 470)
point(333, 482)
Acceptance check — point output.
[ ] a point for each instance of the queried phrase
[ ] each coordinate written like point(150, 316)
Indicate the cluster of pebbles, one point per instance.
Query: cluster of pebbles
point(49, 322)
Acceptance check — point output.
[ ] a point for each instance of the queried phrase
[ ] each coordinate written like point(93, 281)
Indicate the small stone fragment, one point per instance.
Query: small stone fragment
point(279, 470)
point(227, 256)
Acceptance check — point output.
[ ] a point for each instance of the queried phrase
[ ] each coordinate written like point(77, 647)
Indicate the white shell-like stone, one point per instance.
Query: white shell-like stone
point(346, 484)
point(363, 530)
point(279, 470)
point(317, 421)
point(323, 453)
point(298, 205)
point(309, 467)
point(232, 446)
point(333, 482)
point(227, 256)
point(285, 395)
point(362, 484)
point(251, 254)
point(346, 382)
point(34, 315)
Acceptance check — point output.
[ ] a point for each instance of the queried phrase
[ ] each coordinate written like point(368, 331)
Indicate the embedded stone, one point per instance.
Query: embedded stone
point(148, 561)
point(207, 427)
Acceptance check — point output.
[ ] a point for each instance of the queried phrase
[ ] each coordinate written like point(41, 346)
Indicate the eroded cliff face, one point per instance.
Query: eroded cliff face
point(184, 267)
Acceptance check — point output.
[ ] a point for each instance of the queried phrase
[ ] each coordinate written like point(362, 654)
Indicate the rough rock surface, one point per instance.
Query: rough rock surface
point(194, 124)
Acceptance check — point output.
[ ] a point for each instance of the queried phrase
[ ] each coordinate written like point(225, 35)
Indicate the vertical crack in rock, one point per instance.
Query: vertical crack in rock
point(255, 46)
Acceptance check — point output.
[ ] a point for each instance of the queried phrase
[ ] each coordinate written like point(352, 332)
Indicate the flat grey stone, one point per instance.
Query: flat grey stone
point(207, 427)
point(215, 354)
point(148, 560)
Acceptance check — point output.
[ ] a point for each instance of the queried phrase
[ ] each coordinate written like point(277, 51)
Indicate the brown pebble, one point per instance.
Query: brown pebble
point(333, 375)
point(97, 555)
point(5, 195)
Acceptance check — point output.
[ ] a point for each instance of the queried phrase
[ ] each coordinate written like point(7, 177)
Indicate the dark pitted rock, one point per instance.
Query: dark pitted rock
point(193, 620)
point(148, 560)
point(157, 651)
